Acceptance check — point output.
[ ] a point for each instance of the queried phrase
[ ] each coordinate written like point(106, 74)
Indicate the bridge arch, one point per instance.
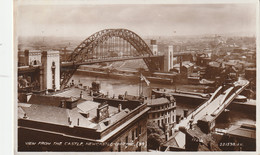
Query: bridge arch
point(93, 41)
point(89, 44)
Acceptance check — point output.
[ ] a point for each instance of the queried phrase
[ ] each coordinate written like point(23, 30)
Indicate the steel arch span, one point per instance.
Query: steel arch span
point(81, 52)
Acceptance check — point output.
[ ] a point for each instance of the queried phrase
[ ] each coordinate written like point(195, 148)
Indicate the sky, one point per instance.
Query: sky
point(144, 19)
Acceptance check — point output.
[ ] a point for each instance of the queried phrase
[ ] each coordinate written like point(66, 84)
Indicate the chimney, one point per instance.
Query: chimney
point(25, 116)
point(180, 64)
point(166, 136)
point(78, 122)
point(185, 113)
point(69, 120)
point(107, 122)
point(119, 107)
point(81, 95)
point(63, 103)
point(178, 119)
point(46, 91)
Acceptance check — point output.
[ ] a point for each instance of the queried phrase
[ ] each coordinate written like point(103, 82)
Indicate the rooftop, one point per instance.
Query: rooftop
point(244, 130)
point(177, 140)
point(157, 101)
point(62, 116)
point(73, 92)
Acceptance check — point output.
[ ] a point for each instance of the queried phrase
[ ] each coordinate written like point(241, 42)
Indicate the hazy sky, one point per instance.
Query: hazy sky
point(84, 20)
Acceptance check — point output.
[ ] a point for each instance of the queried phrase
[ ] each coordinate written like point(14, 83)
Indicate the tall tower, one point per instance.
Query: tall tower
point(154, 47)
point(50, 73)
point(168, 59)
point(32, 57)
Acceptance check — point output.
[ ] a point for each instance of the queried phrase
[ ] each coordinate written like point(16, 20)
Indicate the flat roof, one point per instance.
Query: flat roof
point(73, 92)
point(157, 101)
point(244, 130)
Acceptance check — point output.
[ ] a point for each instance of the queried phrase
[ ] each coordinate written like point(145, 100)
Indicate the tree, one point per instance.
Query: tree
point(154, 139)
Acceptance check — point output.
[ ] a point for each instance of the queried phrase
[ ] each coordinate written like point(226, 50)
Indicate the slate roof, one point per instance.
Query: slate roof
point(177, 140)
point(57, 115)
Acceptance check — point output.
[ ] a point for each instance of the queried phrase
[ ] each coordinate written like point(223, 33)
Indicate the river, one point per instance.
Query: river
point(120, 86)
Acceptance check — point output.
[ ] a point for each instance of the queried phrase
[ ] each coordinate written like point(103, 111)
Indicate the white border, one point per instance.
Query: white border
point(7, 63)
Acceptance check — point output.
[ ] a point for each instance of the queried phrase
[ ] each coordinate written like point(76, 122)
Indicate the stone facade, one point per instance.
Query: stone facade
point(168, 59)
point(50, 70)
point(163, 112)
point(32, 57)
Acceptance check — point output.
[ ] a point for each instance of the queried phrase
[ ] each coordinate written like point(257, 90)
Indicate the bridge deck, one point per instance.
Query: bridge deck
point(214, 108)
point(111, 59)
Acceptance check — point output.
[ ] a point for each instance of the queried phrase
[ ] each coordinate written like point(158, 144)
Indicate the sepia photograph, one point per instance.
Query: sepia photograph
point(135, 76)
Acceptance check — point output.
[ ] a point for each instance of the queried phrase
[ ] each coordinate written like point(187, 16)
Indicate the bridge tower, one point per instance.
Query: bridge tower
point(50, 70)
point(32, 57)
point(154, 47)
point(168, 59)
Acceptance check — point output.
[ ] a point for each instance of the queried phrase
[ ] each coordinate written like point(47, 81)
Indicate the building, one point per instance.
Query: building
point(168, 59)
point(50, 78)
point(240, 138)
point(154, 47)
point(250, 73)
point(69, 121)
point(32, 57)
point(213, 70)
point(46, 67)
point(187, 69)
point(163, 112)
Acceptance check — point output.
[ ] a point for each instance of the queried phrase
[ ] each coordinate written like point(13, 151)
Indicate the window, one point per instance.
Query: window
point(133, 135)
point(136, 132)
point(173, 118)
point(158, 122)
point(153, 115)
point(165, 120)
point(161, 113)
point(140, 130)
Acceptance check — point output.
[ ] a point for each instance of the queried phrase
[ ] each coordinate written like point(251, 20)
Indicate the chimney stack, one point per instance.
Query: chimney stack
point(119, 107)
point(81, 95)
point(185, 113)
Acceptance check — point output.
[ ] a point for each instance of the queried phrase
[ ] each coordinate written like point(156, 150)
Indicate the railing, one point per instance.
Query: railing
point(204, 104)
point(231, 95)
point(216, 94)
point(95, 60)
